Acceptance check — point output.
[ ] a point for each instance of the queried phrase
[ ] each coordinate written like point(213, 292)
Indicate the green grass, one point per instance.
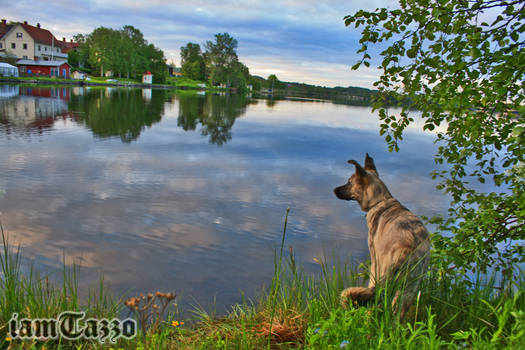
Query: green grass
point(184, 82)
point(45, 79)
point(298, 310)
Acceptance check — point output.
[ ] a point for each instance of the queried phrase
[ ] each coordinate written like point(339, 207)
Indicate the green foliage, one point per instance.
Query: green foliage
point(192, 61)
point(219, 64)
point(222, 63)
point(449, 313)
point(461, 63)
point(124, 52)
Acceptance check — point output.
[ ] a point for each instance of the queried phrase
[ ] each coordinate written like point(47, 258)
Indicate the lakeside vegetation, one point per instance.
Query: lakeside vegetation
point(301, 310)
point(454, 78)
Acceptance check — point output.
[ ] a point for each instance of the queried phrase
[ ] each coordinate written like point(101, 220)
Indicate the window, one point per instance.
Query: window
point(13, 45)
point(18, 35)
point(45, 48)
point(24, 57)
point(0, 45)
point(23, 69)
point(25, 46)
point(39, 48)
point(57, 50)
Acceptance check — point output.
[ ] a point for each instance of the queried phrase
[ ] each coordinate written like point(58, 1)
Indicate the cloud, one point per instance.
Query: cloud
point(306, 40)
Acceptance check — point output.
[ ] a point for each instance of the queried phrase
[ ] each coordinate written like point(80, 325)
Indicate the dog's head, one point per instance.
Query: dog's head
point(364, 186)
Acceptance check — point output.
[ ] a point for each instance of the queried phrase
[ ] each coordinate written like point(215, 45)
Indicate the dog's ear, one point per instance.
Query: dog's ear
point(369, 164)
point(361, 173)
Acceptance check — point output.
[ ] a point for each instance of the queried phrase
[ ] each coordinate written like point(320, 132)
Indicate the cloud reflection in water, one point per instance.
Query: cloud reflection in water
point(188, 193)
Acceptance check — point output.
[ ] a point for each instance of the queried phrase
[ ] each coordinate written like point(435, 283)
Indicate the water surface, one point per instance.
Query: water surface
point(186, 192)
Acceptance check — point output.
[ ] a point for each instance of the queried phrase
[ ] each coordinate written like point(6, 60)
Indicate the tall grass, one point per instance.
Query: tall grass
point(298, 310)
point(32, 295)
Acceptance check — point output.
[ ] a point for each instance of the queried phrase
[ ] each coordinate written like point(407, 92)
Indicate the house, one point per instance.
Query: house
point(173, 71)
point(78, 75)
point(147, 78)
point(44, 68)
point(29, 42)
point(7, 70)
point(68, 46)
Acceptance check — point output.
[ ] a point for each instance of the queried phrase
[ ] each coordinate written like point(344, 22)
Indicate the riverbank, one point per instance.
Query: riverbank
point(302, 311)
point(179, 83)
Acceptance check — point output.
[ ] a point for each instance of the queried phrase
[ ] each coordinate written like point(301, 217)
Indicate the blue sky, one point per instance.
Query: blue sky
point(298, 40)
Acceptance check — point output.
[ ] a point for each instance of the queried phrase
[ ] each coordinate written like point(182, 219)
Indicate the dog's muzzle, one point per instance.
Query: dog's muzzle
point(341, 193)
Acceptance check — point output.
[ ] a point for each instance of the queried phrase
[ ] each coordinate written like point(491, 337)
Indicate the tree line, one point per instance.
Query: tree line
point(218, 63)
point(124, 52)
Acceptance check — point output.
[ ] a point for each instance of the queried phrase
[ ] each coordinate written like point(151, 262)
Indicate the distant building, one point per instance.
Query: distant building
point(78, 75)
point(7, 70)
point(59, 69)
point(32, 42)
point(68, 46)
point(147, 78)
point(173, 71)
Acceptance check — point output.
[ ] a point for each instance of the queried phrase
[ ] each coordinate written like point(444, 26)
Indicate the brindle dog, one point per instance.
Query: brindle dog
point(397, 239)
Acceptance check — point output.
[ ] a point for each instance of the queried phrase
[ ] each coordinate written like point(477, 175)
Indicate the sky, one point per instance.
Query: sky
point(298, 40)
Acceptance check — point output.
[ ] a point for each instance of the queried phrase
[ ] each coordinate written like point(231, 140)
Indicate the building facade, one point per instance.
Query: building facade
point(59, 69)
point(30, 42)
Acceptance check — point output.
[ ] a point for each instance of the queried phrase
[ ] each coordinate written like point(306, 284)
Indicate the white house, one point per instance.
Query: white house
point(147, 78)
point(29, 42)
point(78, 75)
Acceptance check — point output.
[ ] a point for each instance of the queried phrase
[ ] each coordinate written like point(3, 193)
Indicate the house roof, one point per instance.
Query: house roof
point(40, 35)
point(6, 65)
point(67, 46)
point(40, 63)
point(4, 28)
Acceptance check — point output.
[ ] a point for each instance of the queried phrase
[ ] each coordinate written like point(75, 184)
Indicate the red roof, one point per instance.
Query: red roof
point(147, 72)
point(67, 46)
point(4, 28)
point(40, 35)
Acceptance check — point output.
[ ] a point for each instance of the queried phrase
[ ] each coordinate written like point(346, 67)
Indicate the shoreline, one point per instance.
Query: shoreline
point(88, 83)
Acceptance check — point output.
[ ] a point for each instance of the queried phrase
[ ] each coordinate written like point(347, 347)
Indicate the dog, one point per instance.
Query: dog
point(397, 239)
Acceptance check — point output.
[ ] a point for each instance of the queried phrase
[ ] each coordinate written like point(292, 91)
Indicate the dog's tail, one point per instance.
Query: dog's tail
point(356, 295)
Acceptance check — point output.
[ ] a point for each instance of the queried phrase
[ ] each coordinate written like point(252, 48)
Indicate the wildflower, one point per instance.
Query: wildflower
point(316, 330)
point(176, 323)
point(344, 343)
point(317, 261)
point(8, 339)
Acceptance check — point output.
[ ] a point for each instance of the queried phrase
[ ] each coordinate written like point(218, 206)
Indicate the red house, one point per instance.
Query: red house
point(59, 69)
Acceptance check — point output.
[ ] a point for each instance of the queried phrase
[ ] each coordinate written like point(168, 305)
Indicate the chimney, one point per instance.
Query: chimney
point(38, 25)
point(3, 21)
point(70, 40)
point(25, 22)
point(63, 39)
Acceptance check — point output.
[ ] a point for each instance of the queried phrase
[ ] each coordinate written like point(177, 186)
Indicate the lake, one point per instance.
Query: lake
point(186, 192)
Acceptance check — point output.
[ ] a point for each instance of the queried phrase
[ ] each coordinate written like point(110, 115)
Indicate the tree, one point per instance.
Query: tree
point(461, 63)
point(125, 52)
point(192, 61)
point(221, 58)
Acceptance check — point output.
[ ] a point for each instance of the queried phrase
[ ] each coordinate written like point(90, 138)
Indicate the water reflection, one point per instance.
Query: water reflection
point(119, 112)
point(215, 113)
point(168, 209)
point(122, 113)
point(32, 108)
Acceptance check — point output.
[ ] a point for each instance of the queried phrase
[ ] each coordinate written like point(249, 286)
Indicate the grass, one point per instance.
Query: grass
point(297, 310)
point(182, 82)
